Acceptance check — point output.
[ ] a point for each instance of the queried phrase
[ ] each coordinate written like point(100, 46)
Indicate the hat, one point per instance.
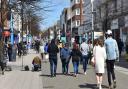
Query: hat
point(109, 32)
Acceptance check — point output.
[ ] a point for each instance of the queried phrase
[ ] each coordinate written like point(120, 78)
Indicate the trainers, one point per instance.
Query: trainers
point(110, 87)
point(114, 84)
point(85, 73)
point(2, 72)
point(100, 87)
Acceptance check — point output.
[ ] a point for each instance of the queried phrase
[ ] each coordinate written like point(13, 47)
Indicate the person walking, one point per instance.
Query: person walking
point(20, 48)
point(65, 55)
point(120, 46)
point(90, 50)
point(53, 50)
point(37, 46)
point(99, 54)
point(10, 52)
point(112, 55)
point(14, 52)
point(76, 55)
point(84, 50)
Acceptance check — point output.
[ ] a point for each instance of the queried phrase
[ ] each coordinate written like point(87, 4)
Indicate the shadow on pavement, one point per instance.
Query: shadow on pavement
point(92, 86)
point(48, 87)
point(122, 63)
point(45, 75)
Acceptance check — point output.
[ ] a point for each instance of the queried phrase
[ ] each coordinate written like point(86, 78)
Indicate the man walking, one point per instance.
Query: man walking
point(112, 54)
point(53, 50)
point(84, 50)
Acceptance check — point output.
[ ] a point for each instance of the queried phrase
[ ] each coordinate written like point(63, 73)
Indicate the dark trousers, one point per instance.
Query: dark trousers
point(19, 53)
point(76, 66)
point(10, 56)
point(67, 66)
point(63, 61)
point(42, 55)
point(2, 65)
point(110, 70)
point(53, 65)
point(85, 62)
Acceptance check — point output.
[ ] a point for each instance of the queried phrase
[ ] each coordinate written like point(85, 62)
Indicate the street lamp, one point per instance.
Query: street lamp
point(1, 20)
point(11, 21)
point(92, 3)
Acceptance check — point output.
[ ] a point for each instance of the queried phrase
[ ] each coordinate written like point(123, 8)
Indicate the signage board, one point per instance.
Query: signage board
point(114, 24)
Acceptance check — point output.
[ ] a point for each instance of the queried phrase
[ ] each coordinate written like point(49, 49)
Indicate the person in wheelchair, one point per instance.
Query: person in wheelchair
point(36, 63)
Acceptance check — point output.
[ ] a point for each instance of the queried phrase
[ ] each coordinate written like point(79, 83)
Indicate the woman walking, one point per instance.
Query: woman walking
point(76, 55)
point(99, 54)
point(53, 50)
point(65, 54)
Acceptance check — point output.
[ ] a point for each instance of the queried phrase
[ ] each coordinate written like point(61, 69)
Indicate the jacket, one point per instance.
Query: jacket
point(111, 49)
point(76, 55)
point(53, 50)
point(65, 53)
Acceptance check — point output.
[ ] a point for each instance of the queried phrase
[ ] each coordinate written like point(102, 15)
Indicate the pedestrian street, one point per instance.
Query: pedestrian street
point(82, 81)
point(18, 79)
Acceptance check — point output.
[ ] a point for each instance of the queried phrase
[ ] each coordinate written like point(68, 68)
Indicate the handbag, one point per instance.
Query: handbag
point(93, 61)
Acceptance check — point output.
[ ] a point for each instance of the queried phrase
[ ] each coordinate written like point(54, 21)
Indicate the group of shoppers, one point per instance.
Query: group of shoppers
point(101, 51)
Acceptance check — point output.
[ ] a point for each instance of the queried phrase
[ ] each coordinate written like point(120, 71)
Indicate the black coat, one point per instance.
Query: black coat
point(76, 55)
point(53, 50)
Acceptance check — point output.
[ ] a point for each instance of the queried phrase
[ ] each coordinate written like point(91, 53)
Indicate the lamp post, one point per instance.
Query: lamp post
point(22, 19)
point(11, 22)
point(1, 19)
point(1, 24)
point(92, 3)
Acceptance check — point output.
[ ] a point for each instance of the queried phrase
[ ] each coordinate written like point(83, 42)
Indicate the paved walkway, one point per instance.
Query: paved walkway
point(82, 81)
point(18, 79)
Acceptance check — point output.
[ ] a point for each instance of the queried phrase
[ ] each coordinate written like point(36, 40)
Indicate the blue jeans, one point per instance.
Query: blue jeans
point(53, 65)
point(75, 66)
point(85, 62)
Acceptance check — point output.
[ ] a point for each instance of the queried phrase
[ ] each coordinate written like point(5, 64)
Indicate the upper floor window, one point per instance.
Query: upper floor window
point(78, 11)
point(78, 23)
point(77, 1)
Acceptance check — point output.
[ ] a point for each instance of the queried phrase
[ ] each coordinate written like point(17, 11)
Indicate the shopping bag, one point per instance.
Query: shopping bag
point(93, 61)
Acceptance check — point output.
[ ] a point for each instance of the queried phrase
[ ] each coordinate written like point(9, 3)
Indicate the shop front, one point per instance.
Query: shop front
point(125, 31)
point(115, 29)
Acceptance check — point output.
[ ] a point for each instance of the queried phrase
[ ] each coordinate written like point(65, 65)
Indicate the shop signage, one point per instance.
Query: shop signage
point(126, 21)
point(121, 21)
point(114, 24)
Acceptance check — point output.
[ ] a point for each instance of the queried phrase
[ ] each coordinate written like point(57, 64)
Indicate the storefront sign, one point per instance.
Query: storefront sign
point(121, 21)
point(114, 24)
point(126, 21)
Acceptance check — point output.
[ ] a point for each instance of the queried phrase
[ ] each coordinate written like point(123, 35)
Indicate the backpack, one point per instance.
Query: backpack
point(26, 68)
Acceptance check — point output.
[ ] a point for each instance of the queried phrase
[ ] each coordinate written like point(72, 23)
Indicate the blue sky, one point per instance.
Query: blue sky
point(54, 15)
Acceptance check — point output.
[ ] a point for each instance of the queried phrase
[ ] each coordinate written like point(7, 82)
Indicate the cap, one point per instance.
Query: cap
point(109, 32)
